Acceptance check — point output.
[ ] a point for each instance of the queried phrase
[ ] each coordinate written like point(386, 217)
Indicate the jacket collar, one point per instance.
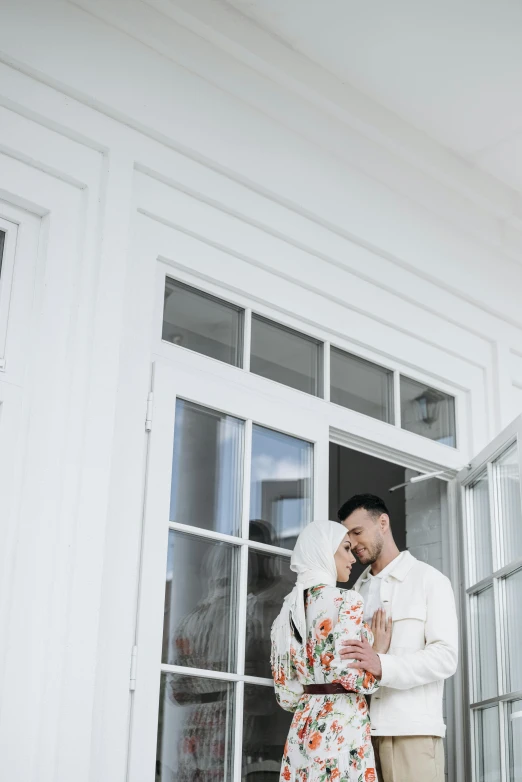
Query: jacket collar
point(405, 562)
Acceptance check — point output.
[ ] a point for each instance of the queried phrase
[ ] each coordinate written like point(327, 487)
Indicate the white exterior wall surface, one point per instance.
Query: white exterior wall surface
point(127, 130)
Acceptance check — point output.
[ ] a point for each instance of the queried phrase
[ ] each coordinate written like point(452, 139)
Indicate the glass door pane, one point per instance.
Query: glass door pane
point(487, 745)
point(507, 478)
point(515, 741)
point(195, 729)
point(200, 603)
point(480, 529)
point(513, 625)
point(207, 469)
point(485, 652)
point(265, 728)
point(281, 485)
point(269, 581)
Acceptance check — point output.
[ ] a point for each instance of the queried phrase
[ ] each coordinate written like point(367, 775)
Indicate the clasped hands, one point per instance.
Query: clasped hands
point(365, 656)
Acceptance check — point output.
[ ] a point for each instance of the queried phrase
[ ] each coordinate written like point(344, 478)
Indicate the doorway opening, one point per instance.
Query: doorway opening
point(417, 511)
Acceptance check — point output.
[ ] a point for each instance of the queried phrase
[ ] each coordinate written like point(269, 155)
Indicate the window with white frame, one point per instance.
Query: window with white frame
point(213, 559)
point(209, 325)
point(494, 593)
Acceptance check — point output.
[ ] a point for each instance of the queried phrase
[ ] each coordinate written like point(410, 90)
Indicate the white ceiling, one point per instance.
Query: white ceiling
point(451, 68)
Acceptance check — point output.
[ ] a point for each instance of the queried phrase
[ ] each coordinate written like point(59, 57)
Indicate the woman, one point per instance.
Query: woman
point(329, 738)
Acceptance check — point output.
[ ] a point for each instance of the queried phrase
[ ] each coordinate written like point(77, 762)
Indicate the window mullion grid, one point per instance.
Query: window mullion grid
point(247, 338)
point(397, 399)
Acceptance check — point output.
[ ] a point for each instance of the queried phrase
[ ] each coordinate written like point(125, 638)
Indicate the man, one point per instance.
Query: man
point(406, 712)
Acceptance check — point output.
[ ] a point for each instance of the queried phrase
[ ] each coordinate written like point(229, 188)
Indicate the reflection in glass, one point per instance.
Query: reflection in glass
point(265, 728)
point(515, 741)
point(481, 531)
point(200, 322)
point(507, 476)
point(514, 631)
point(269, 581)
point(200, 603)
point(361, 386)
point(206, 469)
point(487, 745)
point(428, 412)
point(281, 484)
point(485, 656)
point(286, 356)
point(195, 730)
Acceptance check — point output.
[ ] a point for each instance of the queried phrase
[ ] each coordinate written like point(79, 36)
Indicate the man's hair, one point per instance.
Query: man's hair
point(369, 502)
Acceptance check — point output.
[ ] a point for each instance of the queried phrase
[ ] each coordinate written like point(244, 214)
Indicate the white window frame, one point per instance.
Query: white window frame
point(380, 431)
point(484, 461)
point(189, 378)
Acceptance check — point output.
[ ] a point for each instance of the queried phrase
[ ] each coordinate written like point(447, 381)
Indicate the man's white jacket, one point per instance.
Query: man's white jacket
point(423, 651)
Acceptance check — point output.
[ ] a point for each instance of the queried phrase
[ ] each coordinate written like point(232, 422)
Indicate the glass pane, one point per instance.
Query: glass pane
point(507, 477)
point(487, 745)
point(514, 631)
point(281, 484)
point(480, 528)
point(195, 729)
point(427, 412)
point(269, 581)
point(361, 385)
point(199, 627)
point(515, 741)
point(207, 469)
point(200, 322)
point(484, 654)
point(286, 356)
point(265, 728)
point(2, 240)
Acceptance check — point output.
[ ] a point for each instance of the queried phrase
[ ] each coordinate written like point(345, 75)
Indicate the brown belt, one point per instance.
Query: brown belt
point(335, 688)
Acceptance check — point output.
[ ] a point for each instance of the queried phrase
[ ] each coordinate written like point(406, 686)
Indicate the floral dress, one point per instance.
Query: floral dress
point(329, 738)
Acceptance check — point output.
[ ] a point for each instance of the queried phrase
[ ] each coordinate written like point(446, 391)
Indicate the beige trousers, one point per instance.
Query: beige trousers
point(409, 758)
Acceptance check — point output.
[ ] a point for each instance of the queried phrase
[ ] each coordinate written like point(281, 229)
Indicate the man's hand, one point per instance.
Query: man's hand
point(364, 656)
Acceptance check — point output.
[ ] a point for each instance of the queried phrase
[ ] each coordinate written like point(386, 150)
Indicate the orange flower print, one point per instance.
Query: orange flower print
point(285, 751)
point(368, 680)
point(361, 752)
point(310, 653)
point(370, 775)
point(286, 773)
point(336, 774)
point(326, 659)
point(280, 678)
point(315, 740)
point(324, 628)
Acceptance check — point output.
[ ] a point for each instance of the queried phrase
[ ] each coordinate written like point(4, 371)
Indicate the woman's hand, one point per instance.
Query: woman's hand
point(382, 631)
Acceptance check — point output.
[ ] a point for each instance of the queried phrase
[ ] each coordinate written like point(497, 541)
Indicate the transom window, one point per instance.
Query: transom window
point(195, 320)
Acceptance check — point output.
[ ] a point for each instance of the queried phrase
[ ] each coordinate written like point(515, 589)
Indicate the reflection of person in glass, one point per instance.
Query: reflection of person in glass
point(203, 640)
point(329, 737)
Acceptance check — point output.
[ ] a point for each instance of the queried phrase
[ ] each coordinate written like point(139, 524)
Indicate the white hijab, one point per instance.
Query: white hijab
point(313, 561)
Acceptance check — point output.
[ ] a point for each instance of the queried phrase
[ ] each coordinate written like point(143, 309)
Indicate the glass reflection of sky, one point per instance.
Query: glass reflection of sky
point(281, 480)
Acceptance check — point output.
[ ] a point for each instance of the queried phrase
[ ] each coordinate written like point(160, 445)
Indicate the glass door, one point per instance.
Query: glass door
point(232, 478)
point(493, 565)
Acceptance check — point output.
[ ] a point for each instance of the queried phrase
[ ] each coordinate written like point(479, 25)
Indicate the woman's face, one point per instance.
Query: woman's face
point(344, 560)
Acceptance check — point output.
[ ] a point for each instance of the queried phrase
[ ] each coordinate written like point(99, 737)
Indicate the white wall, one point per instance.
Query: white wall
point(111, 141)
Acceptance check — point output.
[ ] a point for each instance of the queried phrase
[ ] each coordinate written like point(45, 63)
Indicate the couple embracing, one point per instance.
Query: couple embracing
point(393, 637)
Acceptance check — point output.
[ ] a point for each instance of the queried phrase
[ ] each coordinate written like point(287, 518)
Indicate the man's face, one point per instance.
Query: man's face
point(366, 535)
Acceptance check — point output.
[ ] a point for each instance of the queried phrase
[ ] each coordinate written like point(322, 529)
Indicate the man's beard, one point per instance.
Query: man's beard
point(373, 553)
